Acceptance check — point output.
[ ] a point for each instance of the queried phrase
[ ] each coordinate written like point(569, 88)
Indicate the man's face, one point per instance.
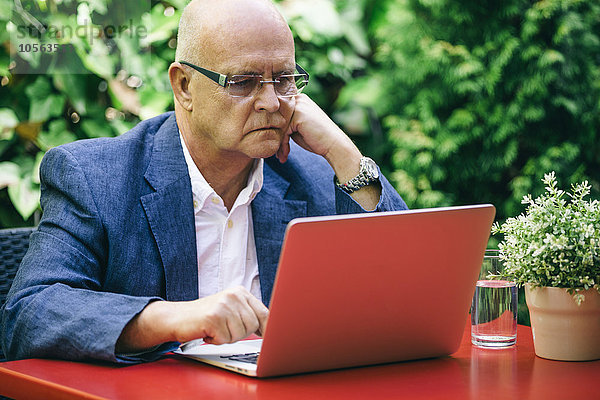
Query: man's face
point(245, 127)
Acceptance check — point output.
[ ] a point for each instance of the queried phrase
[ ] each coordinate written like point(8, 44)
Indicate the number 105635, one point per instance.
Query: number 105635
point(36, 47)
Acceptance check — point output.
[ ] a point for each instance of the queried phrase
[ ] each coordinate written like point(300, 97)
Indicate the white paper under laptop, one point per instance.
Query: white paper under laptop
point(365, 289)
point(232, 356)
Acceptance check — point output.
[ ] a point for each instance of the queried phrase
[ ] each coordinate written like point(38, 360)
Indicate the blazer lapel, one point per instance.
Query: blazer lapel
point(170, 213)
point(270, 216)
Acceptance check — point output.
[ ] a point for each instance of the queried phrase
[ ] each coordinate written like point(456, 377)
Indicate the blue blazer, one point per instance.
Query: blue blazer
point(118, 231)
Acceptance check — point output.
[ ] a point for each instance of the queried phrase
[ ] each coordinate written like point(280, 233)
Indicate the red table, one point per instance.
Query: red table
point(514, 373)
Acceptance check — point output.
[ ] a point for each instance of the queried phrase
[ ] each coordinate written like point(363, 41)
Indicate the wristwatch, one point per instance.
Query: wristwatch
point(368, 174)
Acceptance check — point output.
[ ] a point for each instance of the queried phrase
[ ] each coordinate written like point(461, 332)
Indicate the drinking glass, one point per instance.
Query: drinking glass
point(494, 307)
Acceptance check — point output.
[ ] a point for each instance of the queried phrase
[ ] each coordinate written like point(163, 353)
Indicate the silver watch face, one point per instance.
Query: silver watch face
point(371, 168)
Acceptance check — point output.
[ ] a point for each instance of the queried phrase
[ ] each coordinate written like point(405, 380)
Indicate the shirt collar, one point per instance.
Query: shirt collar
point(202, 191)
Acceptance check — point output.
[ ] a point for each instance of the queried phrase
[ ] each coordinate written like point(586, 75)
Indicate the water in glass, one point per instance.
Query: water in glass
point(494, 314)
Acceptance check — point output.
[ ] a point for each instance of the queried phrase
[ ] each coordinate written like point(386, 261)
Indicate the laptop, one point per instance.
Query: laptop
point(364, 289)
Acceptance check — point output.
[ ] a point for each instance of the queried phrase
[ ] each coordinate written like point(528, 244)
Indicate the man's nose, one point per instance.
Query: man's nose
point(266, 97)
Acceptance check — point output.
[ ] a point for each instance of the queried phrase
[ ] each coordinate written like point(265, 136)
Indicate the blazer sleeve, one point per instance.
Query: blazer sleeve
point(56, 307)
point(389, 200)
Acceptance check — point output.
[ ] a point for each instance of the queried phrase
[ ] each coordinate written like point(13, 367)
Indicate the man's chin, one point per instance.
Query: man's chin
point(263, 152)
point(265, 148)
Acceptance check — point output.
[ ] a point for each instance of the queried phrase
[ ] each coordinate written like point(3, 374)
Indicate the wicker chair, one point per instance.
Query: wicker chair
point(13, 246)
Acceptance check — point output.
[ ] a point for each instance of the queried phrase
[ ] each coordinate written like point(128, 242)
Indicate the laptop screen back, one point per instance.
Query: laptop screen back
point(374, 288)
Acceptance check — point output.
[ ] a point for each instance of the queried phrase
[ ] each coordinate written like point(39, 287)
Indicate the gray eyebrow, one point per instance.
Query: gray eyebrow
point(279, 73)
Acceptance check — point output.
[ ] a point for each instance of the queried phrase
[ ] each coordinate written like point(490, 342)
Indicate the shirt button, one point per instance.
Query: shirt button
point(215, 200)
point(230, 224)
point(195, 204)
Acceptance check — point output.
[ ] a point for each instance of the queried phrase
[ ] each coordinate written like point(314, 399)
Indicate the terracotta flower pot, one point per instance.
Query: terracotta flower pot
point(562, 330)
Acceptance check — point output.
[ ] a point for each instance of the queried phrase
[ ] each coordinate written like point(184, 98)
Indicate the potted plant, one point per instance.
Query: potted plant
point(553, 249)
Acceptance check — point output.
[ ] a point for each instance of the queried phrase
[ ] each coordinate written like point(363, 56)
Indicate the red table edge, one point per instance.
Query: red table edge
point(41, 388)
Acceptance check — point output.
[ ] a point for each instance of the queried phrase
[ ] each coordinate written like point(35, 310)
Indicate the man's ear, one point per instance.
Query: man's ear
point(180, 83)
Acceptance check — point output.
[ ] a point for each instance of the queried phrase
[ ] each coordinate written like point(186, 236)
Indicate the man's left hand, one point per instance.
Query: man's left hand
point(314, 131)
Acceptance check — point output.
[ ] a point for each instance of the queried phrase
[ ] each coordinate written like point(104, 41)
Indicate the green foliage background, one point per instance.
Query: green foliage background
point(482, 98)
point(459, 102)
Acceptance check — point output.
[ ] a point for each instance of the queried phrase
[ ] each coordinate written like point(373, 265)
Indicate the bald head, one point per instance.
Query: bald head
point(209, 27)
point(232, 37)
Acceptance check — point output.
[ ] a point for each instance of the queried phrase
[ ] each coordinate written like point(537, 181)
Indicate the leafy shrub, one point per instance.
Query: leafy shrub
point(555, 242)
point(478, 97)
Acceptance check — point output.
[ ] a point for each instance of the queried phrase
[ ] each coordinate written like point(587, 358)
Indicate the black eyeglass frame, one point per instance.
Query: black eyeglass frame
point(222, 80)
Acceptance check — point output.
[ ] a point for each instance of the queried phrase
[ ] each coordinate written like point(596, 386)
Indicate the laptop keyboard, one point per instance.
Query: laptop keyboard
point(250, 358)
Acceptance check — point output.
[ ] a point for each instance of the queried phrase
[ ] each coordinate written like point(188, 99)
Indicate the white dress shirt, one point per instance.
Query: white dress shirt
point(224, 240)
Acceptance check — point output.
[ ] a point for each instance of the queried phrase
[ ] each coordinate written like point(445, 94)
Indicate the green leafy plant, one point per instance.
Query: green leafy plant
point(103, 83)
point(556, 242)
point(476, 98)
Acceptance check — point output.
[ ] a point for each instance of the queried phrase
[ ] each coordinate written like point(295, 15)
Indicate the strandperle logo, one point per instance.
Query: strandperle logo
point(74, 37)
point(87, 30)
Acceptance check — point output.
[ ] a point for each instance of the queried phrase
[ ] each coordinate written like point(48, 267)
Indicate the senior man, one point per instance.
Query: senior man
point(172, 231)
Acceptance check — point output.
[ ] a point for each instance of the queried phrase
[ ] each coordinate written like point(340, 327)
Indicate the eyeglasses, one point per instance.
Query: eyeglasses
point(286, 85)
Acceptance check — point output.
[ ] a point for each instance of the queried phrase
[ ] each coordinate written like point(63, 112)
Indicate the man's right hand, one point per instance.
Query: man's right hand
point(224, 317)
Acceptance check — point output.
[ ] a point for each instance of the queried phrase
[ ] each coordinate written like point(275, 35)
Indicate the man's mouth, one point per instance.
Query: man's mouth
point(264, 128)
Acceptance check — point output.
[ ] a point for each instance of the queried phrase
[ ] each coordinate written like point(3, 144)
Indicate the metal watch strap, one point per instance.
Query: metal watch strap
point(367, 174)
